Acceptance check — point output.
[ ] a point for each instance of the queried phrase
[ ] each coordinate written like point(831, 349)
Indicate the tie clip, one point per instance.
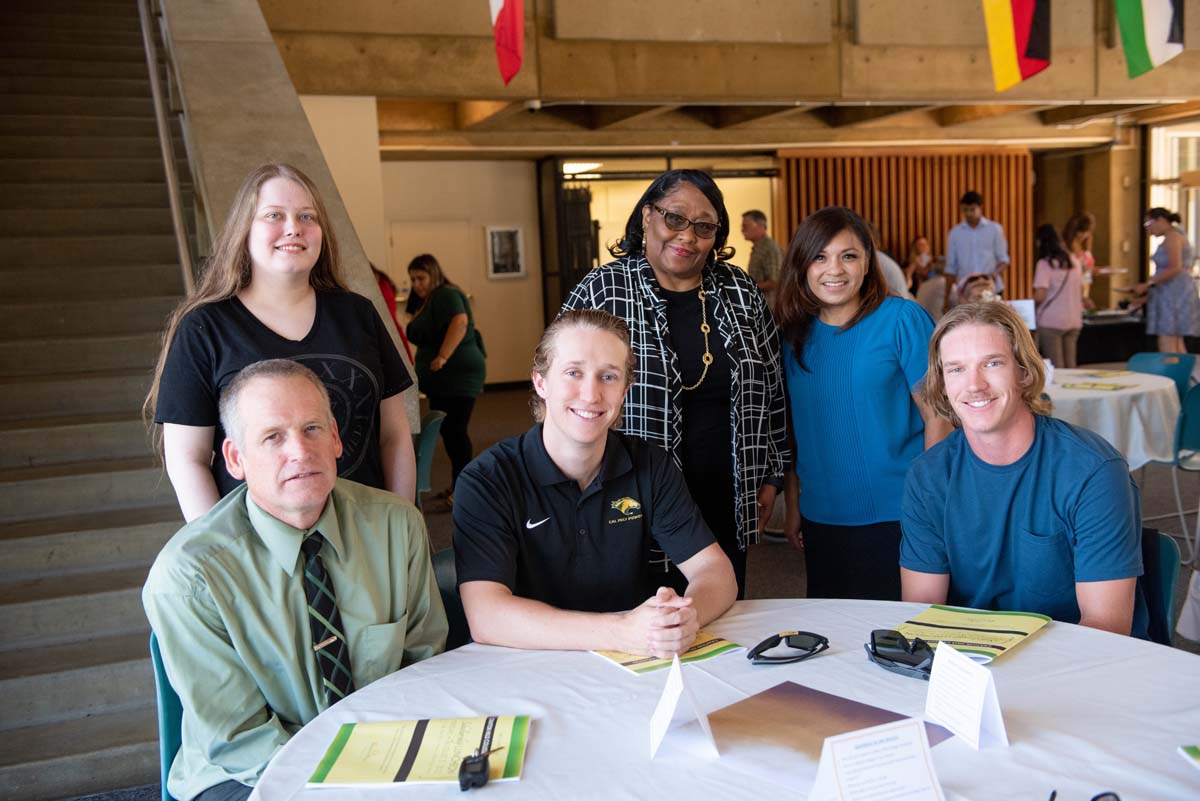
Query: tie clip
point(325, 642)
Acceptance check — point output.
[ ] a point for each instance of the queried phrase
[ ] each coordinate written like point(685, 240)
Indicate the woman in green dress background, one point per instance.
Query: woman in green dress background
point(450, 359)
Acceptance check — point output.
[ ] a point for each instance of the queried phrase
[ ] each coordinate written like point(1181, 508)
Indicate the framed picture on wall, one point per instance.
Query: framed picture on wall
point(505, 252)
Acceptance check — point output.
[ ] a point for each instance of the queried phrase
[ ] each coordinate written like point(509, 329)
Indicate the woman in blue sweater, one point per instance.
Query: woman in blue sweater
point(854, 359)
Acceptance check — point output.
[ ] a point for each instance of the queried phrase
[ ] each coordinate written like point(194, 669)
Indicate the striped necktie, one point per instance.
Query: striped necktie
point(328, 636)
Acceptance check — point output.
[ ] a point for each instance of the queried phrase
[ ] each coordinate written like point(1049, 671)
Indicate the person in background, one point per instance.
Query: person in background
point(1077, 235)
point(553, 528)
point(1016, 510)
point(854, 358)
point(387, 288)
point(295, 589)
point(893, 273)
point(708, 388)
point(931, 295)
point(451, 363)
point(273, 289)
point(1173, 307)
point(979, 287)
point(976, 245)
point(919, 264)
point(765, 255)
point(1058, 293)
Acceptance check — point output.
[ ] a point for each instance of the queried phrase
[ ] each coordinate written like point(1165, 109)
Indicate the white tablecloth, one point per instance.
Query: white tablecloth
point(1139, 421)
point(1085, 710)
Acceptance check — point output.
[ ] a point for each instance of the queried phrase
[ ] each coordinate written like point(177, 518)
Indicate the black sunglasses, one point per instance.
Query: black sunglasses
point(892, 651)
point(805, 642)
point(677, 222)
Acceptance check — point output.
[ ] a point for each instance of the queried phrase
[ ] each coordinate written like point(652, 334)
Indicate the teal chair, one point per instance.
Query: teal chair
point(424, 444)
point(1156, 586)
point(170, 717)
point(1186, 458)
point(447, 580)
point(1168, 567)
point(1175, 366)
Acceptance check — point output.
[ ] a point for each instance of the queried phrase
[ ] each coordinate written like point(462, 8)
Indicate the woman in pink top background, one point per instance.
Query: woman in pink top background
point(1058, 293)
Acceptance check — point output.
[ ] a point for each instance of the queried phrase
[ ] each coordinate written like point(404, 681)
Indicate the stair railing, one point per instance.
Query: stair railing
point(168, 150)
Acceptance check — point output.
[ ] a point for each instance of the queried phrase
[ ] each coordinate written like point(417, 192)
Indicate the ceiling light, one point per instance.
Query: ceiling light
point(572, 167)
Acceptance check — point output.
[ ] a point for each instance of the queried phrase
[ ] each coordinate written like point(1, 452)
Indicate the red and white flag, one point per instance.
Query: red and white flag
point(508, 26)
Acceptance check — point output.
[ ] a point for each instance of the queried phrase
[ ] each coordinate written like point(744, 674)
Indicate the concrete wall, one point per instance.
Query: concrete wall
point(469, 196)
point(347, 128)
point(856, 50)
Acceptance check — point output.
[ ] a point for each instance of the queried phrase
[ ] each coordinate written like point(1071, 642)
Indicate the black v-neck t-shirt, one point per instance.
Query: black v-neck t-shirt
point(348, 348)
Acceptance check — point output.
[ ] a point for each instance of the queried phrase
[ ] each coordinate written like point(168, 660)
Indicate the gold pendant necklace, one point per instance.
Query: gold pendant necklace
point(704, 329)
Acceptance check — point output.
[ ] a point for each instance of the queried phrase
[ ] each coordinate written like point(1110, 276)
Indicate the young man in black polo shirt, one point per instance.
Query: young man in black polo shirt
point(552, 528)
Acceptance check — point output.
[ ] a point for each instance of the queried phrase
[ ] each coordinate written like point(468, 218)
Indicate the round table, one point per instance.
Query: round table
point(1085, 711)
point(1138, 420)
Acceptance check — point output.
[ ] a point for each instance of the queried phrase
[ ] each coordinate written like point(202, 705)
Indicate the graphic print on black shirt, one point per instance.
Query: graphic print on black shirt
point(354, 396)
point(348, 348)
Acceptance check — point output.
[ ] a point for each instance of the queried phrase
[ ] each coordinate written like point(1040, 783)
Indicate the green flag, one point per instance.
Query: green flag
point(1151, 32)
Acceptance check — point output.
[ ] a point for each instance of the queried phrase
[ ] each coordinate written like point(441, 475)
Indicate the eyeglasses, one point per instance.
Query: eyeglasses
point(677, 222)
point(892, 651)
point(805, 642)
point(1109, 796)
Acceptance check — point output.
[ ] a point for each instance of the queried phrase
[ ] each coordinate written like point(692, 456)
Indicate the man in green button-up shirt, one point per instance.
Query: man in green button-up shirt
point(226, 595)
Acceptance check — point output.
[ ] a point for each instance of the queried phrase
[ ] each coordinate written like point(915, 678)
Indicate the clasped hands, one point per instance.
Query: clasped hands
point(662, 626)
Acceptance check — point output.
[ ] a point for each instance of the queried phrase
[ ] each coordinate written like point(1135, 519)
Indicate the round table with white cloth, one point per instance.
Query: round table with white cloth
point(1086, 711)
point(1138, 419)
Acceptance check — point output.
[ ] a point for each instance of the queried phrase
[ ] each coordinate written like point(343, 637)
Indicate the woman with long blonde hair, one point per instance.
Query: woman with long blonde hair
point(272, 289)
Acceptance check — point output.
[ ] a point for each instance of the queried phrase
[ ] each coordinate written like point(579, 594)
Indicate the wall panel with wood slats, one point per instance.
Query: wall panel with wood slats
point(907, 194)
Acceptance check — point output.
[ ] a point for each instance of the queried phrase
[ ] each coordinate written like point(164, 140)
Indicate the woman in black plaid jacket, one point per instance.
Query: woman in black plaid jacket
point(709, 387)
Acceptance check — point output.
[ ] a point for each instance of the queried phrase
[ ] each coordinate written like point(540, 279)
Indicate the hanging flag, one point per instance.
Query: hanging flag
point(1151, 32)
point(508, 26)
point(1018, 39)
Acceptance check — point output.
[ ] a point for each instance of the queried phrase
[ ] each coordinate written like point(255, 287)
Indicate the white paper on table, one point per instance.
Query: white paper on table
point(676, 690)
point(1026, 310)
point(962, 697)
point(881, 763)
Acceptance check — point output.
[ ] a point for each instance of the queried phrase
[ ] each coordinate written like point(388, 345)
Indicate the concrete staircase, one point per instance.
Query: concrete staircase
point(88, 271)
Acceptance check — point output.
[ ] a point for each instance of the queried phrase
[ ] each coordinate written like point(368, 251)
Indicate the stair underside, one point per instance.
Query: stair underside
point(87, 261)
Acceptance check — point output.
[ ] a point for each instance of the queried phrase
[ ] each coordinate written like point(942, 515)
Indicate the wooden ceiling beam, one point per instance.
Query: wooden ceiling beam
point(1087, 112)
point(577, 115)
point(483, 114)
point(415, 115)
point(606, 116)
point(845, 116)
point(731, 116)
point(948, 116)
point(1167, 112)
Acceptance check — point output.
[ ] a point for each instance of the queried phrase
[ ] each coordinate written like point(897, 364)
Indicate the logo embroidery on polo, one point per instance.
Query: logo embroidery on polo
point(629, 509)
point(625, 505)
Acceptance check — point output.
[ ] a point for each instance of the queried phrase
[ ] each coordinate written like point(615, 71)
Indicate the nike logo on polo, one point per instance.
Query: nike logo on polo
point(531, 524)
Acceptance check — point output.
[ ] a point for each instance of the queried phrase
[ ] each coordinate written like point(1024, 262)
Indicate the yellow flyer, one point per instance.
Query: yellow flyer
point(421, 751)
point(1107, 373)
point(981, 635)
point(705, 646)
point(1096, 385)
